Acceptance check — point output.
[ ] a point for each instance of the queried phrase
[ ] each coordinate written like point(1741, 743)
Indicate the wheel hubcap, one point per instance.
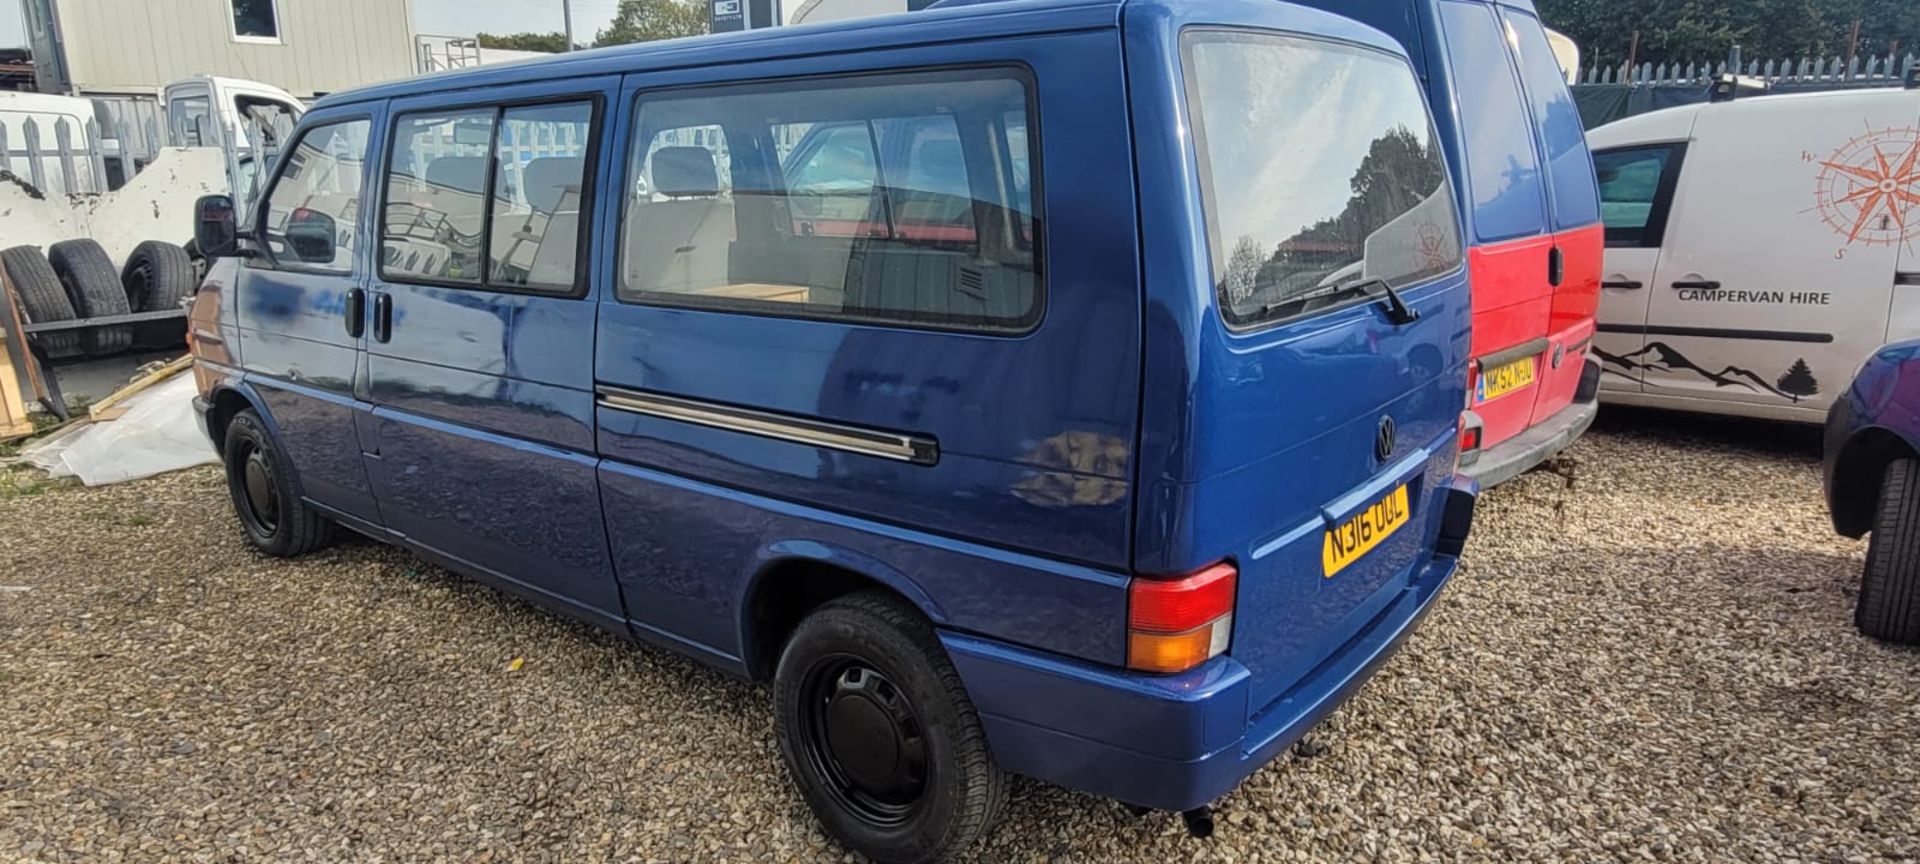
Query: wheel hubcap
point(263, 502)
point(865, 741)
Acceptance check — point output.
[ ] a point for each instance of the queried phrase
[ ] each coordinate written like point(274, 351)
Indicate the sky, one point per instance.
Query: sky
point(436, 17)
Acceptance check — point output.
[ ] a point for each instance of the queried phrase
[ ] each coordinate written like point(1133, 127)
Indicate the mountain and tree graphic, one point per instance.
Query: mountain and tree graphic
point(1794, 384)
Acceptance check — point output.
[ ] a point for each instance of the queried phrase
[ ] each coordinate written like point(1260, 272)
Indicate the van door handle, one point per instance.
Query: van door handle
point(382, 317)
point(1702, 284)
point(1624, 285)
point(1556, 266)
point(1906, 278)
point(356, 312)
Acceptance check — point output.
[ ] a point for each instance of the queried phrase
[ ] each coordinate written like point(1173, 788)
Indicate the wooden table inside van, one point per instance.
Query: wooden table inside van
point(759, 291)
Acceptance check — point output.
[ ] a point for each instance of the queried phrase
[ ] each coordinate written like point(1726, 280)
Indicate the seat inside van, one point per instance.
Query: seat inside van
point(545, 237)
point(809, 216)
point(678, 238)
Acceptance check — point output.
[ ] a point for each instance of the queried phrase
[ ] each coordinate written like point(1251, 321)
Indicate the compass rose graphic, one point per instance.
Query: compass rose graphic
point(1868, 191)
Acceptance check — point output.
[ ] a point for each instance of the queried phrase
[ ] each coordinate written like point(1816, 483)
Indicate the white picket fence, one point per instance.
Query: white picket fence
point(1815, 71)
point(61, 156)
point(64, 160)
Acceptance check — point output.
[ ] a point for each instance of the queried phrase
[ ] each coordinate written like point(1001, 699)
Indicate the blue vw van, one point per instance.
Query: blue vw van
point(1067, 388)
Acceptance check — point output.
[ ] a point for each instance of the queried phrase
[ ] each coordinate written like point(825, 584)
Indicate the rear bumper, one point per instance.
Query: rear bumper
point(1167, 742)
point(1519, 454)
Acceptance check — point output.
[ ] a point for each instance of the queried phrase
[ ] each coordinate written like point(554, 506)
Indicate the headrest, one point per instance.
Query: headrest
point(685, 172)
point(460, 173)
point(548, 180)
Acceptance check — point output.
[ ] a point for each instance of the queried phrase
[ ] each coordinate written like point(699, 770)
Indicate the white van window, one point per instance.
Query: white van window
point(314, 207)
point(266, 123)
point(893, 199)
point(190, 121)
point(1321, 169)
point(1636, 191)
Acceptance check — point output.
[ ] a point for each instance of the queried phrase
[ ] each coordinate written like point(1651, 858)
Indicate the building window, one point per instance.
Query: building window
point(256, 19)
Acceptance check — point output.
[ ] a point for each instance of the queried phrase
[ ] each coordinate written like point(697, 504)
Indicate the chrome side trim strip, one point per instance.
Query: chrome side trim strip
point(818, 433)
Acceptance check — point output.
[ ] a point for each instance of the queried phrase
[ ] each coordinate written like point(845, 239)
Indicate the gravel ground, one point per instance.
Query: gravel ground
point(1648, 655)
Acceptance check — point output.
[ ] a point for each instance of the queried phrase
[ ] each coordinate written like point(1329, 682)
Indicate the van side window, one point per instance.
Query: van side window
point(1636, 192)
point(1502, 165)
point(441, 224)
point(1293, 218)
point(436, 196)
point(313, 210)
point(1565, 137)
point(890, 199)
point(190, 121)
point(540, 165)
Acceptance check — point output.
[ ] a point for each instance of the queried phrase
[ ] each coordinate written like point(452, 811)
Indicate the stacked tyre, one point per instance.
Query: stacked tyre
point(93, 287)
point(42, 297)
point(76, 279)
point(159, 276)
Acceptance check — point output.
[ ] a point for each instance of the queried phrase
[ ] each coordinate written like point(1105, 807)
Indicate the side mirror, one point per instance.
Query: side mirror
point(213, 226)
point(312, 236)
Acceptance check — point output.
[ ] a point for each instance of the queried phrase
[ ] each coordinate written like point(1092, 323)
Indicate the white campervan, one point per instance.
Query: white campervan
point(1758, 249)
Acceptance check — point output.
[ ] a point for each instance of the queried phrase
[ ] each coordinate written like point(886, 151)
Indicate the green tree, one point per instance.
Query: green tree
point(1702, 31)
point(647, 20)
point(552, 43)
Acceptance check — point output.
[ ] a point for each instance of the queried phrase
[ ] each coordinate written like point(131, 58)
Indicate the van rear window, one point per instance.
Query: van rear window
point(896, 199)
point(1321, 169)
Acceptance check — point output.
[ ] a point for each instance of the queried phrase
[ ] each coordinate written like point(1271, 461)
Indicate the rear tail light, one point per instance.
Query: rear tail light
point(1471, 432)
point(1176, 624)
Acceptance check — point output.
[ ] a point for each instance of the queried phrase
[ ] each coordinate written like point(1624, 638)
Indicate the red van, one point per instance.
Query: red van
point(1518, 154)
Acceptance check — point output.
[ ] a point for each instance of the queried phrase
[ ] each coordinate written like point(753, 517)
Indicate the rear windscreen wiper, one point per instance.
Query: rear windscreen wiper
point(1396, 306)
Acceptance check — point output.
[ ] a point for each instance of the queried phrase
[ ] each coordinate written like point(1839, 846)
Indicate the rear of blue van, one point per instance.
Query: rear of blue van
point(1307, 329)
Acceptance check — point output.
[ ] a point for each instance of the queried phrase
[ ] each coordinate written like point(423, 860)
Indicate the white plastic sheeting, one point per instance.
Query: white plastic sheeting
point(157, 434)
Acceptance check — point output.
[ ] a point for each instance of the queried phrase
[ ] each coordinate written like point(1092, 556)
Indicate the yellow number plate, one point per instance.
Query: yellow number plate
point(1501, 380)
point(1346, 543)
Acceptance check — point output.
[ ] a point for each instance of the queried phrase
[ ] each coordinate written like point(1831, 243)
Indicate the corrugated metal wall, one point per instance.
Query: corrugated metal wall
point(325, 45)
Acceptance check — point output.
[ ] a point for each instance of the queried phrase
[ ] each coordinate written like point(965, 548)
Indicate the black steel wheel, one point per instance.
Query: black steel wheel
point(879, 734)
point(260, 502)
point(274, 519)
point(864, 738)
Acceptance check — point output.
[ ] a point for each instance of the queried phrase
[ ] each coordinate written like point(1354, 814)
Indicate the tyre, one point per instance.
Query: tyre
point(93, 286)
point(1889, 606)
point(158, 276)
point(274, 518)
point(41, 297)
point(879, 734)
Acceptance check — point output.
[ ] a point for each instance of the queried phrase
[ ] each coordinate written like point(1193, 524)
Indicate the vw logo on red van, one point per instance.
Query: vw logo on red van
point(1383, 441)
